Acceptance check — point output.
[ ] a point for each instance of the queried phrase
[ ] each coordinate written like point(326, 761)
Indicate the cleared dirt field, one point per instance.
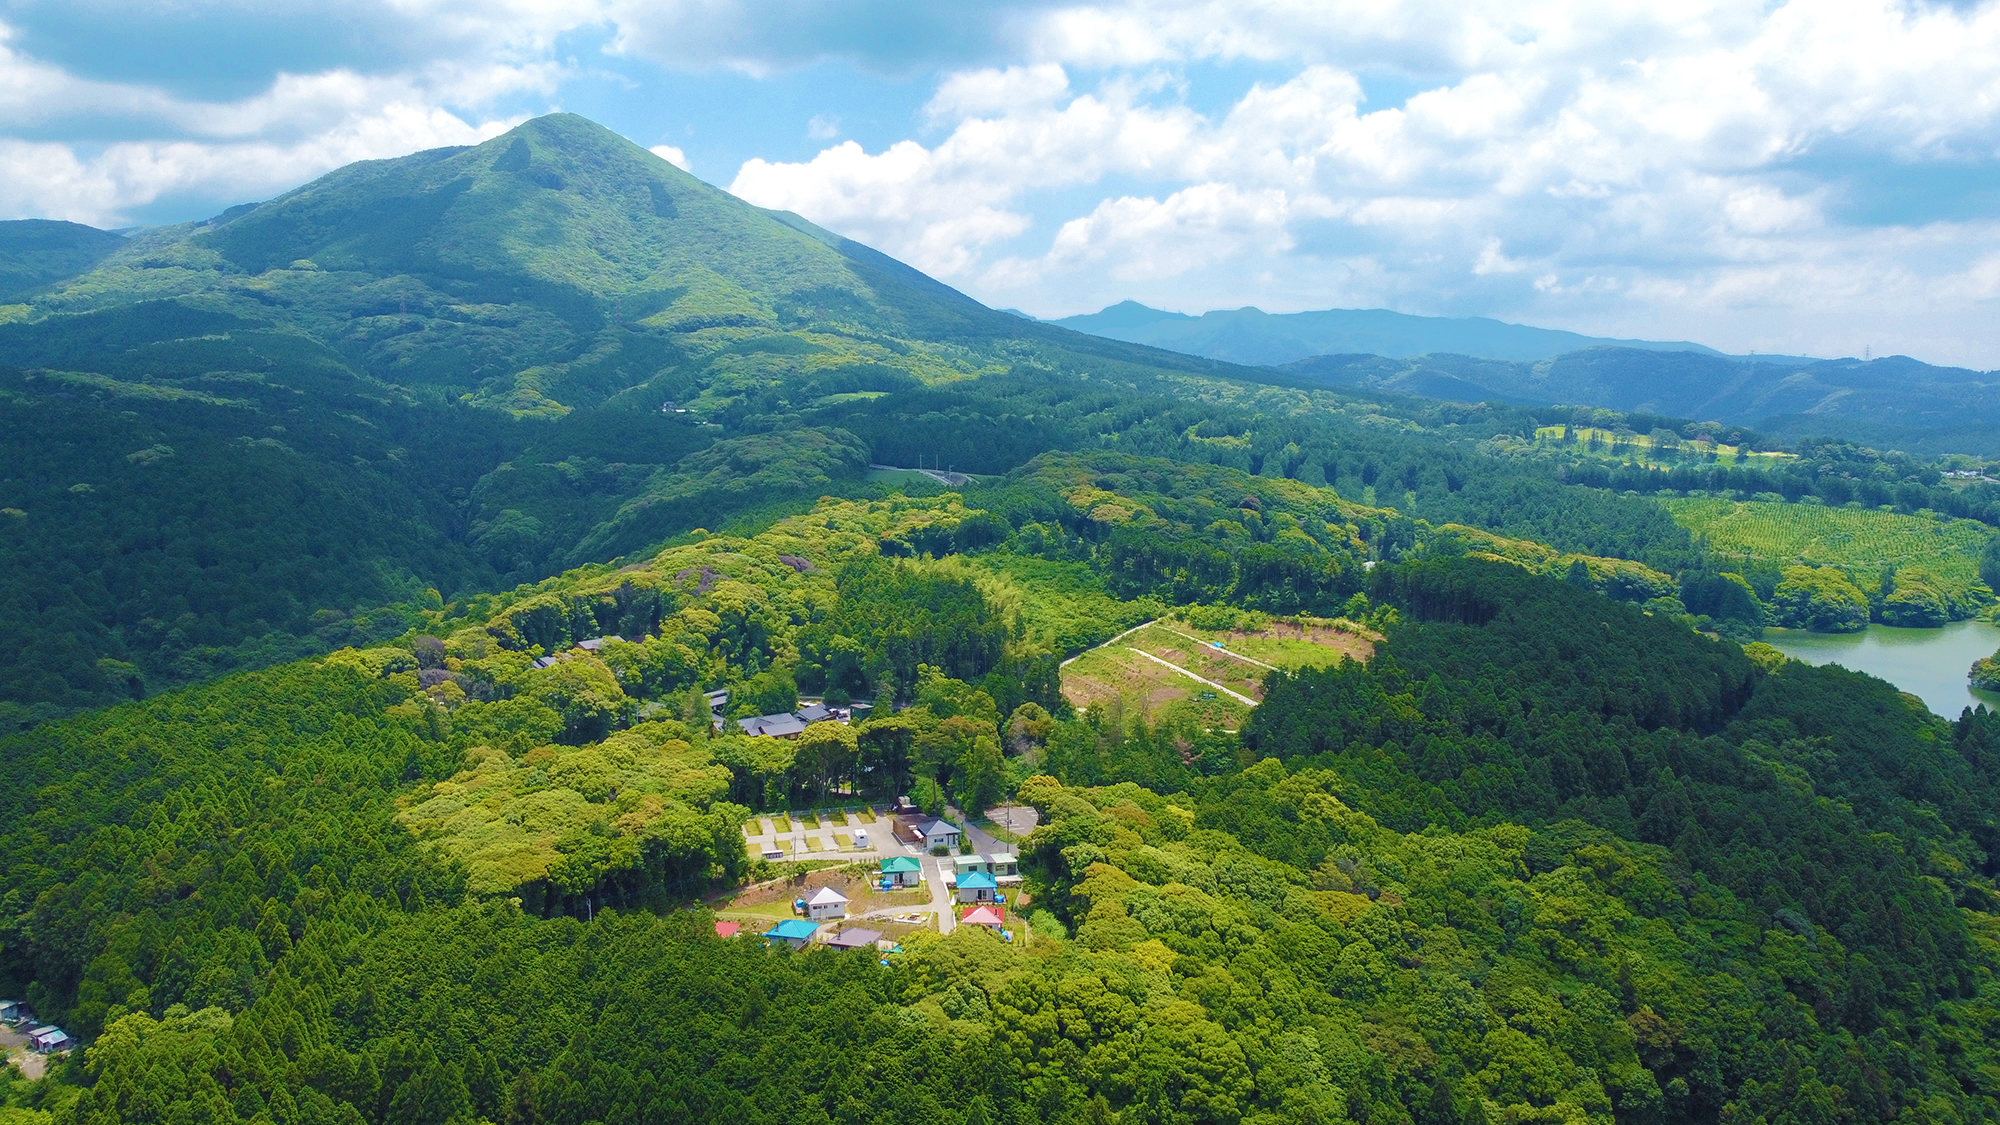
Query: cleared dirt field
point(1167, 663)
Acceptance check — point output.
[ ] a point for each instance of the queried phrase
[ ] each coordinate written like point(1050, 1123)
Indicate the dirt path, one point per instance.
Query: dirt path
point(1192, 676)
point(14, 1049)
point(1112, 641)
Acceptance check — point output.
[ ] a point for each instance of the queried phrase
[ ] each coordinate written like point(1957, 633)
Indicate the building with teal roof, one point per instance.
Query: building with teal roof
point(902, 871)
point(796, 931)
point(976, 886)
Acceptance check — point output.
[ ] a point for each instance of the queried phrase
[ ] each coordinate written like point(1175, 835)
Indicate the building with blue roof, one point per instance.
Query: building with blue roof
point(976, 886)
point(797, 931)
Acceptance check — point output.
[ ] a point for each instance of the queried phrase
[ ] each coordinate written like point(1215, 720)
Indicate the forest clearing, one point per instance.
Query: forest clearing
point(1160, 664)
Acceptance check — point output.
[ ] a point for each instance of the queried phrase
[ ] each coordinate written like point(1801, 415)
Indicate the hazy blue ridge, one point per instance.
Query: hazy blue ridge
point(1253, 336)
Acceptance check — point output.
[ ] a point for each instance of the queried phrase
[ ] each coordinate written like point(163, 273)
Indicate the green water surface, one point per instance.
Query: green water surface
point(1928, 663)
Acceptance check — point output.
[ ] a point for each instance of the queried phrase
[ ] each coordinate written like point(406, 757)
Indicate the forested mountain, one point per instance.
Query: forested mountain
point(1253, 336)
point(315, 809)
point(1892, 402)
point(1545, 857)
point(290, 427)
point(227, 441)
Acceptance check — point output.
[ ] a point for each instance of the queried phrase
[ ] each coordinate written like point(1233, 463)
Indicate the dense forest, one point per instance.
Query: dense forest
point(1546, 856)
point(389, 567)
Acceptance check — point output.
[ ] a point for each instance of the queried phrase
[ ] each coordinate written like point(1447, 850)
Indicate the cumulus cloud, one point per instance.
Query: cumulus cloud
point(1611, 166)
point(673, 156)
point(1698, 168)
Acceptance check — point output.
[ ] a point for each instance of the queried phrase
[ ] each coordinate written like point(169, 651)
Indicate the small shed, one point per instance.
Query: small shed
point(795, 932)
point(962, 865)
point(11, 1011)
point(902, 871)
point(976, 886)
point(826, 904)
point(855, 939)
point(728, 929)
point(992, 917)
point(48, 1039)
point(1004, 865)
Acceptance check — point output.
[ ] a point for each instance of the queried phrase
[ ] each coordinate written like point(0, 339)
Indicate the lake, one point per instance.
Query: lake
point(1928, 663)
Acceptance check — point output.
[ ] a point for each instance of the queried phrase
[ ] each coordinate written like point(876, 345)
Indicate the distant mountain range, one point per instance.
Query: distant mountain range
point(1255, 337)
point(1892, 402)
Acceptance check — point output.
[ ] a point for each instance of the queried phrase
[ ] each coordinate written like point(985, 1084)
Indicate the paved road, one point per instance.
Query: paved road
point(941, 900)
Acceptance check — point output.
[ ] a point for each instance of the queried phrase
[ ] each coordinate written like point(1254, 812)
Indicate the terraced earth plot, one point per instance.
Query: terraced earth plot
point(1172, 664)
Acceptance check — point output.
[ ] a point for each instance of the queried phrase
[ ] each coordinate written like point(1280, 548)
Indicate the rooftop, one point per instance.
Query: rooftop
point(793, 929)
point(900, 863)
point(775, 726)
point(826, 895)
point(982, 916)
point(854, 939)
point(727, 929)
point(977, 880)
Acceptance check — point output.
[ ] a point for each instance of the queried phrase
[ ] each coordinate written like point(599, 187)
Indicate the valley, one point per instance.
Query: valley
point(476, 651)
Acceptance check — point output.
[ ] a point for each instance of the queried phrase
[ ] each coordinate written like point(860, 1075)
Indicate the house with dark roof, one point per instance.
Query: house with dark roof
point(855, 939)
point(935, 833)
point(773, 726)
point(596, 644)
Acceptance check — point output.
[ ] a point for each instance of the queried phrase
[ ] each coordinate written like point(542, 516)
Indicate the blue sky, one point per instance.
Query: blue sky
point(1807, 178)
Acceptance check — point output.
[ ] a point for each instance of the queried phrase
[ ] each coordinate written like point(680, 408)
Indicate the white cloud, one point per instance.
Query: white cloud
point(49, 180)
point(673, 156)
point(1637, 167)
point(1592, 164)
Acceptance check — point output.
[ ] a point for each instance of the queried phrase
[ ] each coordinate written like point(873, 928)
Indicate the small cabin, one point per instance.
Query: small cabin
point(1004, 866)
point(12, 1012)
point(977, 886)
point(795, 932)
point(992, 917)
point(937, 834)
point(48, 1040)
point(855, 939)
point(826, 904)
point(902, 871)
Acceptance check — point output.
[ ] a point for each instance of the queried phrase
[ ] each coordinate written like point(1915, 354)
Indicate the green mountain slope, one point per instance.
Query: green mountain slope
point(446, 372)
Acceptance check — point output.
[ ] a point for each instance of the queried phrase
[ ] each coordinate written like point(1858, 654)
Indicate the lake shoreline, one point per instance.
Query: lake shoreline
point(1930, 664)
